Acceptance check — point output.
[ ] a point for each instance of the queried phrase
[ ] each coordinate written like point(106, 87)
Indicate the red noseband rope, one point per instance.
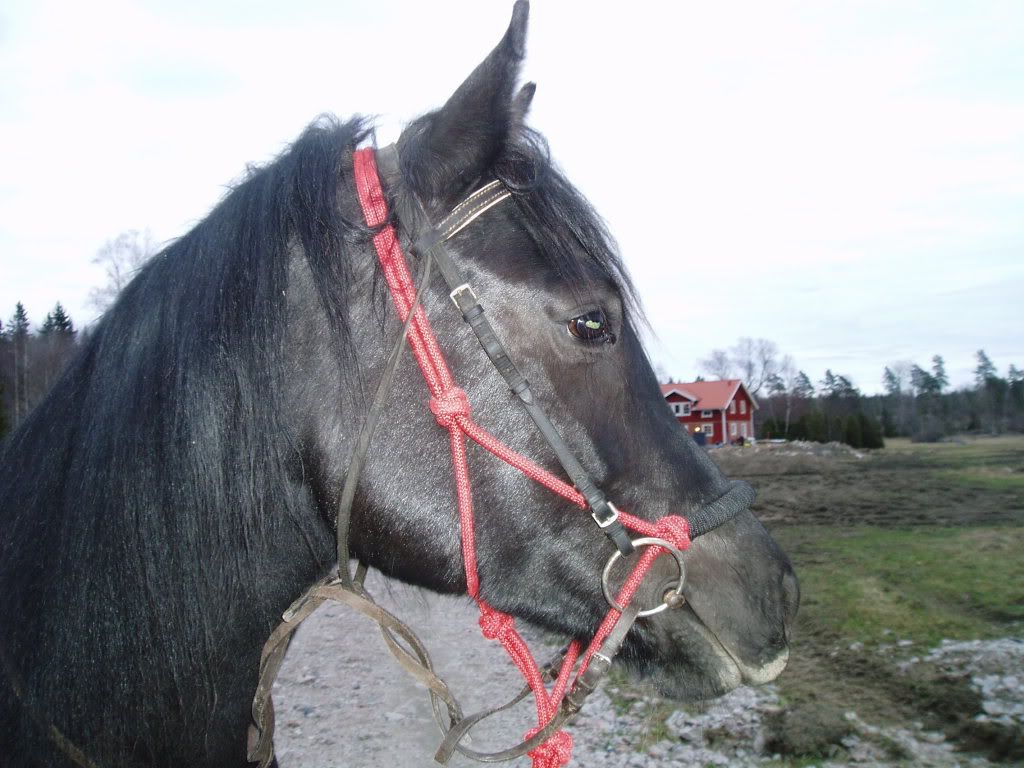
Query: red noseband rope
point(451, 408)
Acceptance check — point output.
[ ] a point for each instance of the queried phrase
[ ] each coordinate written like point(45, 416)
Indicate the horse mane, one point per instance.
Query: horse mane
point(191, 352)
point(163, 439)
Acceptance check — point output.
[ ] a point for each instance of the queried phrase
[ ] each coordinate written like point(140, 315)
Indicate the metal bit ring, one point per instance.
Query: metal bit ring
point(641, 542)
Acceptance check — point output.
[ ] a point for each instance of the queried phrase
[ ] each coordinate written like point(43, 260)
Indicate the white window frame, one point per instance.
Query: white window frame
point(743, 428)
point(743, 407)
point(708, 429)
point(686, 409)
point(706, 414)
point(732, 407)
point(732, 428)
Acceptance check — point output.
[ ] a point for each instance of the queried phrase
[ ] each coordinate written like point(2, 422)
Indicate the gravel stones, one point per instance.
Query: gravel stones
point(343, 703)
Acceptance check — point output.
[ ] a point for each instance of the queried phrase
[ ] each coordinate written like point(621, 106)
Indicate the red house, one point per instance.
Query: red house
point(722, 410)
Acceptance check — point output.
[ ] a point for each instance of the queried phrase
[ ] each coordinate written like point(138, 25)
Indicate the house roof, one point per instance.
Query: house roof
point(677, 389)
point(709, 395)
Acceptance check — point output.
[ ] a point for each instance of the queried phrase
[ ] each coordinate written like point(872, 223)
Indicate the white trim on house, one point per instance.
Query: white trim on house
point(681, 392)
point(680, 409)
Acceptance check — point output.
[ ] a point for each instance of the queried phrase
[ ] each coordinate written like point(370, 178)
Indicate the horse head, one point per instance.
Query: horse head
point(560, 300)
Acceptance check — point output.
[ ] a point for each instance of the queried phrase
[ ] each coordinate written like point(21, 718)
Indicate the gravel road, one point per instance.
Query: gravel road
point(342, 702)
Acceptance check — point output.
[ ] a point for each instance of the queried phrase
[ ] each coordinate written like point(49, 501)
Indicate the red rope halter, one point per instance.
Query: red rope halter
point(452, 409)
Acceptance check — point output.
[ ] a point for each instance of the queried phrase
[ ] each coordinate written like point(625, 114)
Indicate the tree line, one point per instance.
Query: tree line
point(31, 358)
point(917, 401)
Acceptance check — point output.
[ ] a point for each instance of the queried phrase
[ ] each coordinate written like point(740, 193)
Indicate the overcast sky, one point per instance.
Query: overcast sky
point(844, 178)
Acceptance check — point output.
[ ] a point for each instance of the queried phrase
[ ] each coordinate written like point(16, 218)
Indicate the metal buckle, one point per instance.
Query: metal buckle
point(598, 655)
point(653, 542)
point(462, 289)
point(608, 521)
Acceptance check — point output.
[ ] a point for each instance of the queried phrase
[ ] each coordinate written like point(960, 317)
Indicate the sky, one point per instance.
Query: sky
point(845, 179)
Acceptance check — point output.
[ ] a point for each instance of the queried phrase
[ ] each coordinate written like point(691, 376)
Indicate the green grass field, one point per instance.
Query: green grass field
point(922, 585)
point(895, 552)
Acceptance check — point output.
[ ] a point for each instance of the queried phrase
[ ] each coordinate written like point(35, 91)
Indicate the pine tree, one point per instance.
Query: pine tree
point(3, 407)
point(62, 321)
point(890, 382)
point(18, 328)
point(939, 374)
point(828, 384)
point(923, 382)
point(802, 387)
point(985, 370)
point(57, 335)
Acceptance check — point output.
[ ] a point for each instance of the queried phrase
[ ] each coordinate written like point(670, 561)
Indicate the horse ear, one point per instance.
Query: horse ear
point(521, 105)
point(445, 151)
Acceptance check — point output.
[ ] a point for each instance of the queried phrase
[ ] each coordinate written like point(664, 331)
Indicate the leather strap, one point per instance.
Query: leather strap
point(572, 703)
point(343, 517)
point(412, 656)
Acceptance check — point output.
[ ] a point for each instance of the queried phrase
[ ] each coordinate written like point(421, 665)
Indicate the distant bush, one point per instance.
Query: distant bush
point(852, 432)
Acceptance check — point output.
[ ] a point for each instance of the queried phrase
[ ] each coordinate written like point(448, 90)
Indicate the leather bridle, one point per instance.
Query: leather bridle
point(671, 534)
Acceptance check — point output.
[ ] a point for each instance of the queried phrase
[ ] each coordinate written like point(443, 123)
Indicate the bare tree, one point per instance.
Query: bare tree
point(120, 258)
point(718, 364)
point(757, 361)
point(787, 375)
point(897, 380)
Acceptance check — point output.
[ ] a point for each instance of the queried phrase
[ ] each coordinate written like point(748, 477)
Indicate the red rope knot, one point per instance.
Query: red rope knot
point(674, 529)
point(449, 405)
point(494, 624)
point(553, 753)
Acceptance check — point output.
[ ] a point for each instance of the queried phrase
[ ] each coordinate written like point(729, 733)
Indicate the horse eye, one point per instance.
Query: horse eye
point(592, 326)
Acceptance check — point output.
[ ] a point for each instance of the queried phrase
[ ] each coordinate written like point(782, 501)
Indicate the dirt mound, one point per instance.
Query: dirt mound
point(787, 458)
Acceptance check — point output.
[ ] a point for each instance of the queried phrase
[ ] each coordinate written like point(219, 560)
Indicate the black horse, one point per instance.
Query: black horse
point(177, 488)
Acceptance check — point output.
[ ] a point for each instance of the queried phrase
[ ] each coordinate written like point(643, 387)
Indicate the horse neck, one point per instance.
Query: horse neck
point(147, 567)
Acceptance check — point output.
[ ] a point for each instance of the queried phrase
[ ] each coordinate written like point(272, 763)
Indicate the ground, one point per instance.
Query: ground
point(908, 650)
